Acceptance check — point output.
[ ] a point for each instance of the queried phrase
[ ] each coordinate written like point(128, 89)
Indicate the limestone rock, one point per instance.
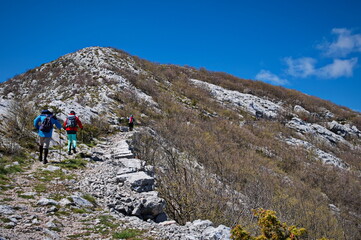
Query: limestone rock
point(81, 202)
point(326, 158)
point(65, 202)
point(51, 168)
point(149, 206)
point(139, 181)
point(46, 201)
point(299, 109)
point(344, 130)
point(315, 129)
point(6, 210)
point(220, 233)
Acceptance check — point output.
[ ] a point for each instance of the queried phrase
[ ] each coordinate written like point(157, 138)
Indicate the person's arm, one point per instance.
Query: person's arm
point(79, 122)
point(64, 124)
point(57, 123)
point(36, 122)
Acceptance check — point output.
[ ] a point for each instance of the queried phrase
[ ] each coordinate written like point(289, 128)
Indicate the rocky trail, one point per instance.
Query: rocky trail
point(106, 194)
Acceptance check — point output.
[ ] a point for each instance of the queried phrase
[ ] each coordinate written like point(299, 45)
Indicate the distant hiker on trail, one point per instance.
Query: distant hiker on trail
point(44, 124)
point(131, 121)
point(71, 124)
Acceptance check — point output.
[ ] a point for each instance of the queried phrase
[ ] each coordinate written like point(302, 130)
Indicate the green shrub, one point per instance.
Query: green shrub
point(271, 228)
point(95, 129)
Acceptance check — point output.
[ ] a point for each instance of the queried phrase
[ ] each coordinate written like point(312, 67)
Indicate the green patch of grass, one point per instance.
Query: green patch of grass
point(90, 198)
point(6, 187)
point(62, 213)
point(19, 158)
point(79, 235)
point(128, 234)
point(4, 182)
point(3, 179)
point(41, 187)
point(57, 196)
point(47, 176)
point(79, 210)
point(56, 229)
point(91, 144)
point(57, 147)
point(100, 230)
point(76, 163)
point(8, 161)
point(9, 170)
point(7, 199)
point(5, 220)
point(26, 196)
point(107, 221)
point(105, 226)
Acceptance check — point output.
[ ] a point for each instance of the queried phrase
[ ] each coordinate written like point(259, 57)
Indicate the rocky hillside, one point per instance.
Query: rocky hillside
point(213, 147)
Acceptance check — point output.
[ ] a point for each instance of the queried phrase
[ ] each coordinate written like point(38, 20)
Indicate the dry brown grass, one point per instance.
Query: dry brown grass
point(248, 159)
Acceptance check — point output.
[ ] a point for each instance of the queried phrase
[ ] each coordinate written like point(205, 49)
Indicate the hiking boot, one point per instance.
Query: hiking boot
point(74, 150)
point(41, 153)
point(46, 151)
point(69, 152)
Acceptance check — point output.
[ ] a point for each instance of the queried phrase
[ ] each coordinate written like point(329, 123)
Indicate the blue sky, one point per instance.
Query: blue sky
point(311, 46)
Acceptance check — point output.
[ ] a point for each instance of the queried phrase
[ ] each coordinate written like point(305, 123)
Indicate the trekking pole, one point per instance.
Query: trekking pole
point(61, 146)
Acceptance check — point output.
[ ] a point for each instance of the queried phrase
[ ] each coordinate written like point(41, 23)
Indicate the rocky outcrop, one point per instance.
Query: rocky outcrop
point(300, 109)
point(344, 130)
point(326, 158)
point(4, 106)
point(257, 106)
point(316, 130)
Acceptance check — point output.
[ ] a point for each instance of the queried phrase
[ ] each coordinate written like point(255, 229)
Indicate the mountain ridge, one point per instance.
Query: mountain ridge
point(227, 126)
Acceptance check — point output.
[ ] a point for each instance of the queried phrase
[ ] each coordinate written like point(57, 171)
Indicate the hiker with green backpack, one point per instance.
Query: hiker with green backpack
point(71, 124)
point(44, 123)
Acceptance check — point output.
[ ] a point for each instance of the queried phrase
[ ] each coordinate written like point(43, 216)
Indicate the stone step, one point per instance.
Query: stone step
point(123, 155)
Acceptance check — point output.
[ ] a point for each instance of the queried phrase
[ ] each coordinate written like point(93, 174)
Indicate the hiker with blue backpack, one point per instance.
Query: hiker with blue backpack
point(71, 124)
point(44, 123)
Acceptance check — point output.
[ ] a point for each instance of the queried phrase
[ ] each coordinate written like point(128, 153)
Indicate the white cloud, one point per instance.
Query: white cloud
point(345, 43)
point(336, 53)
point(339, 68)
point(301, 67)
point(305, 67)
point(267, 76)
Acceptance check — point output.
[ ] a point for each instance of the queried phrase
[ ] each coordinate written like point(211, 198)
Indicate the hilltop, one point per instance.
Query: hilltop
point(219, 145)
